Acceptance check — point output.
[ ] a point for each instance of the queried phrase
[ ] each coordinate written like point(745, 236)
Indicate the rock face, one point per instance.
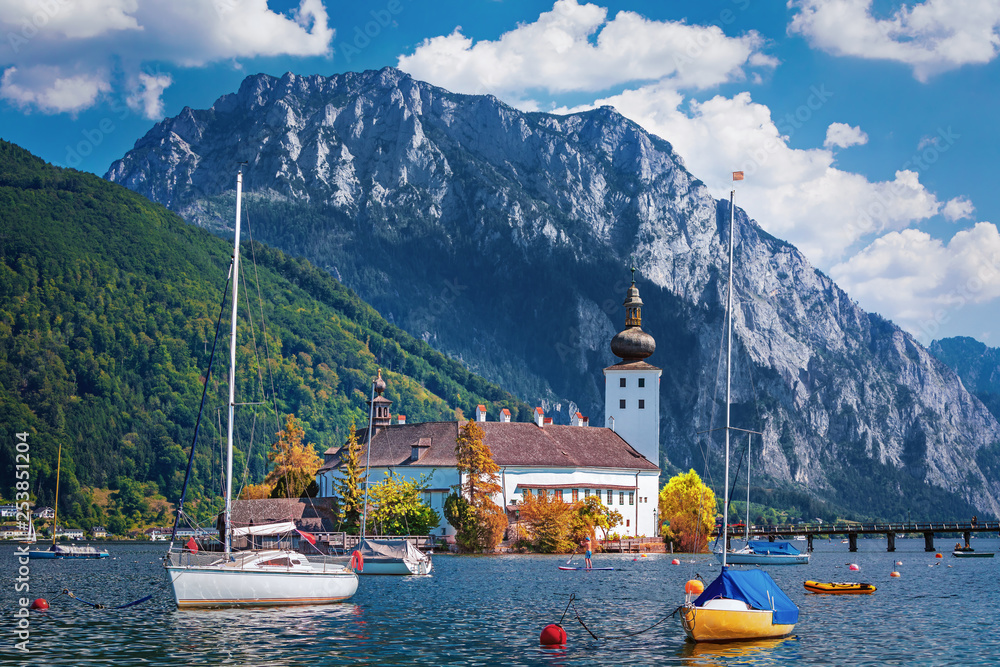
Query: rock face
point(503, 238)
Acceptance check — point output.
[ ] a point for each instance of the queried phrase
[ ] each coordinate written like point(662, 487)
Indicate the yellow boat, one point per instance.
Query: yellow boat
point(724, 620)
point(843, 587)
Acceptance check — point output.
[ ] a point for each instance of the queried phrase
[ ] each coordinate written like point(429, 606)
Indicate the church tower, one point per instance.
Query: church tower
point(632, 386)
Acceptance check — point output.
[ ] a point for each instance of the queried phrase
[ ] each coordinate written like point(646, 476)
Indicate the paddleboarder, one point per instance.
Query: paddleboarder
point(586, 547)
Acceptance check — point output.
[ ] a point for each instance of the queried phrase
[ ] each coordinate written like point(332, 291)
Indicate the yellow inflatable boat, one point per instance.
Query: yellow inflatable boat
point(843, 587)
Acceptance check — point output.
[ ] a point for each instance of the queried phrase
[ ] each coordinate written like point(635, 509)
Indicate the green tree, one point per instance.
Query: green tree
point(550, 522)
point(593, 514)
point(397, 508)
point(350, 487)
point(480, 477)
point(295, 462)
point(687, 507)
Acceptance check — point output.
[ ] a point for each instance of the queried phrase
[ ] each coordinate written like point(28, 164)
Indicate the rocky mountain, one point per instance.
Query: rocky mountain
point(503, 237)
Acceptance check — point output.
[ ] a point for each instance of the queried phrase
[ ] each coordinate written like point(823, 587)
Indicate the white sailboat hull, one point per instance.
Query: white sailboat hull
point(249, 584)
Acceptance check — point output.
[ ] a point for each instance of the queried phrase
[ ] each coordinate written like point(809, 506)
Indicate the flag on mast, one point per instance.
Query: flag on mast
point(737, 175)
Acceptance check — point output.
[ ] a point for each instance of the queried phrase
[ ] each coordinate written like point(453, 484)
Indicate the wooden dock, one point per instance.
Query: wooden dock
point(850, 532)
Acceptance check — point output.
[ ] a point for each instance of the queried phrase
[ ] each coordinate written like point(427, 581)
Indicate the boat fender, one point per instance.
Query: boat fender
point(41, 604)
point(357, 561)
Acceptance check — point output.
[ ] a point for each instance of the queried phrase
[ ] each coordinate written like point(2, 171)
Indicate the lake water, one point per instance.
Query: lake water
point(491, 610)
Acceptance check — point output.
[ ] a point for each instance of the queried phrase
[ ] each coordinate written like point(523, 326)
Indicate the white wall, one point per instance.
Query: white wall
point(641, 515)
point(638, 427)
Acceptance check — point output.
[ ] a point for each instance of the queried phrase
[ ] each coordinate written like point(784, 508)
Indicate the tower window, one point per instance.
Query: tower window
point(621, 382)
point(642, 382)
point(631, 498)
point(642, 404)
point(621, 404)
point(621, 497)
point(609, 497)
point(576, 496)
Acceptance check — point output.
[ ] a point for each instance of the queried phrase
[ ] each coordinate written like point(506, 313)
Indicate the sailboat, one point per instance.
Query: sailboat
point(759, 552)
point(59, 550)
point(379, 556)
point(738, 604)
point(30, 537)
point(270, 577)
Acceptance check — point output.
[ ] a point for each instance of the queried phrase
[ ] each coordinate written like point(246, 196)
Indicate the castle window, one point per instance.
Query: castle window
point(621, 404)
point(609, 497)
point(631, 498)
point(642, 382)
point(642, 404)
point(559, 495)
point(576, 496)
point(621, 497)
point(621, 382)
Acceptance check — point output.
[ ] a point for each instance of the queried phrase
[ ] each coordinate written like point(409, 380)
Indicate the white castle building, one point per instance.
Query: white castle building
point(617, 463)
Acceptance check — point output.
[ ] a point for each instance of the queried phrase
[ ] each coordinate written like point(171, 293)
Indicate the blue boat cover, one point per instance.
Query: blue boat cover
point(784, 548)
point(757, 589)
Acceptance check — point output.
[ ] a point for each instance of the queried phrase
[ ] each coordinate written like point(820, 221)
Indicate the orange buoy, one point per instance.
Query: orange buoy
point(357, 561)
point(40, 604)
point(938, 556)
point(694, 587)
point(553, 635)
point(675, 562)
point(894, 574)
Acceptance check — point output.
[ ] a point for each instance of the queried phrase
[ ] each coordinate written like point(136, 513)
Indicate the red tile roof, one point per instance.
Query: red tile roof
point(512, 444)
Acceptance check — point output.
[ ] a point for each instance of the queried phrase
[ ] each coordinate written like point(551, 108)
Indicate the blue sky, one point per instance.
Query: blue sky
point(866, 128)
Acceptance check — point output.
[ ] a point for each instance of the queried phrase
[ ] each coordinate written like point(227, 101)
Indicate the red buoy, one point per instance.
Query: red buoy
point(41, 604)
point(675, 562)
point(938, 556)
point(553, 635)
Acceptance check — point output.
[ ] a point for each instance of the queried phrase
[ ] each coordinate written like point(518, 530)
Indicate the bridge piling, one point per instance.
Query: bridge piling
point(891, 539)
point(852, 542)
point(929, 541)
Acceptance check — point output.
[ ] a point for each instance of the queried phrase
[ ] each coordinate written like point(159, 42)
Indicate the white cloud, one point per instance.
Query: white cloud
point(932, 37)
point(920, 282)
point(77, 19)
point(843, 135)
point(49, 91)
point(575, 47)
point(99, 36)
point(958, 208)
point(145, 94)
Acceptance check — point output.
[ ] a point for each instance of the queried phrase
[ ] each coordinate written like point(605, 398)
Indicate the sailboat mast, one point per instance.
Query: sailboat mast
point(729, 375)
point(746, 526)
point(227, 538)
point(368, 459)
point(55, 518)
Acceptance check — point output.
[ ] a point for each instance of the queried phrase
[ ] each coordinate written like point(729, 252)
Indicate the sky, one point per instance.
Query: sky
point(866, 129)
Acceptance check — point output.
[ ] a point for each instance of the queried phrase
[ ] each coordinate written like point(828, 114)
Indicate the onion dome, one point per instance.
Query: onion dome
point(379, 383)
point(632, 343)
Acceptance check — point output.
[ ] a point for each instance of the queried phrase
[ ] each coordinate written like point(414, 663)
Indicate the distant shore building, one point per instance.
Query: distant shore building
point(617, 464)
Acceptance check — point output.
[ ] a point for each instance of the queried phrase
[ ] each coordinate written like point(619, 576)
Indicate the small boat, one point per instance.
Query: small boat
point(235, 578)
point(30, 537)
point(397, 557)
point(737, 605)
point(969, 552)
point(569, 567)
point(58, 550)
point(766, 553)
point(61, 551)
point(799, 538)
point(841, 587)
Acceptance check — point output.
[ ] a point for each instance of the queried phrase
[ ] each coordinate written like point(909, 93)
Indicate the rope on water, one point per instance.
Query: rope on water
point(576, 613)
point(97, 605)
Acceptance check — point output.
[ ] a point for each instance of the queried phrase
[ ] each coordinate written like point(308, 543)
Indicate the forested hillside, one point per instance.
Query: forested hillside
point(108, 309)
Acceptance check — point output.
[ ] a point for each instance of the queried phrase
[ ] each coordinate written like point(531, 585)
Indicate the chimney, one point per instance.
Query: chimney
point(480, 413)
point(505, 415)
point(548, 420)
point(586, 421)
point(539, 418)
point(402, 419)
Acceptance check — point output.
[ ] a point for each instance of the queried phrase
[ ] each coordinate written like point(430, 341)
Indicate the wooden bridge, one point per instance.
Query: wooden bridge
point(850, 531)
